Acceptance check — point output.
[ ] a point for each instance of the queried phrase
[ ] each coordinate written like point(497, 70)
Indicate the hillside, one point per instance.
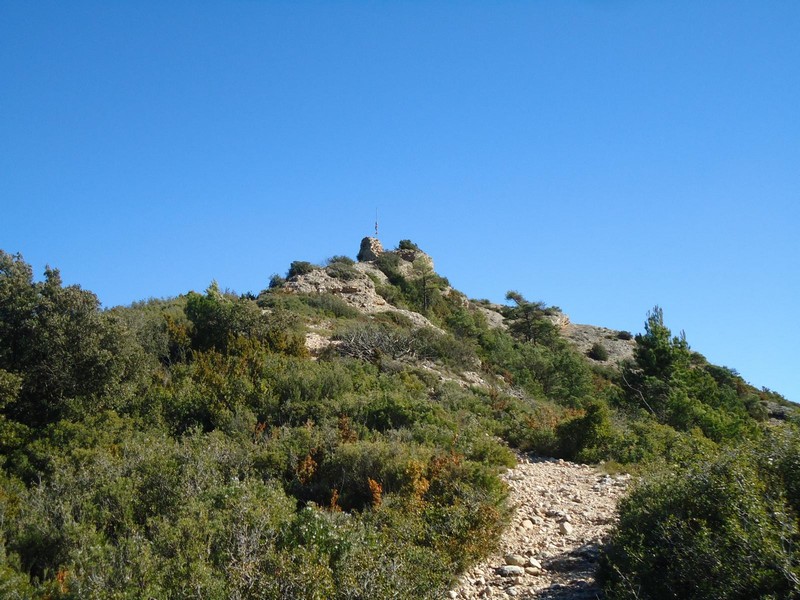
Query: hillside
point(347, 432)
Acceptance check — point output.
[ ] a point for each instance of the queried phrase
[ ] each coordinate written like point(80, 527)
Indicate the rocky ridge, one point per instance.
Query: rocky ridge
point(562, 513)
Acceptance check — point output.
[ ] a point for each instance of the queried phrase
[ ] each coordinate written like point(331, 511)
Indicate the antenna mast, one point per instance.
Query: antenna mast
point(376, 222)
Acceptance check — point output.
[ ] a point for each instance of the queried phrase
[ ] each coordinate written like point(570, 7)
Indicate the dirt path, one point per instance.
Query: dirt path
point(550, 550)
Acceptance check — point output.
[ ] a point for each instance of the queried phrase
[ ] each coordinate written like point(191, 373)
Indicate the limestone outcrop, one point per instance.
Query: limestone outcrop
point(358, 291)
point(371, 249)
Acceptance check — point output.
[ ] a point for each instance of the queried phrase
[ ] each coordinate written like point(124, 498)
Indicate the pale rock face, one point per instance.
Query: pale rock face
point(494, 319)
point(584, 336)
point(358, 292)
point(412, 256)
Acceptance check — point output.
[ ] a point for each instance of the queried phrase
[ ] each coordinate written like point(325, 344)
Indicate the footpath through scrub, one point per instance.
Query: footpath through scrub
point(562, 513)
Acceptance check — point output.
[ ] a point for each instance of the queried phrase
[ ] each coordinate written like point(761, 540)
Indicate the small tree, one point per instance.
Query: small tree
point(529, 320)
point(657, 352)
point(276, 281)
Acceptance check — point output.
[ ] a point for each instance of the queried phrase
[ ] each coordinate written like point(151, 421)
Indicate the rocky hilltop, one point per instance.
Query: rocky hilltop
point(360, 285)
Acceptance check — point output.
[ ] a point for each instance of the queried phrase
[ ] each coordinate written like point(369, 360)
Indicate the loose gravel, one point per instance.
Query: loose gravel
point(563, 511)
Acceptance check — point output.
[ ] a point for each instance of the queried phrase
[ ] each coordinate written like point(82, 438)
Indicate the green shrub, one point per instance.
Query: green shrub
point(300, 267)
point(389, 263)
point(625, 335)
point(223, 322)
point(445, 348)
point(331, 305)
point(598, 352)
point(342, 260)
point(342, 270)
point(588, 438)
point(716, 529)
point(392, 294)
point(407, 245)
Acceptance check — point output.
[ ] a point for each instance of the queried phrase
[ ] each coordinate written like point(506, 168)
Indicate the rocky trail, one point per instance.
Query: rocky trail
point(562, 512)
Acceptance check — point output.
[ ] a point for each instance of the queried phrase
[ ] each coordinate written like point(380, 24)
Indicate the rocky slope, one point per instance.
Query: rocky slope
point(583, 337)
point(562, 512)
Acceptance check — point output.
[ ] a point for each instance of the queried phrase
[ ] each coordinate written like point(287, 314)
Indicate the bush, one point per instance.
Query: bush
point(625, 335)
point(598, 352)
point(588, 438)
point(389, 263)
point(372, 341)
point(276, 281)
point(331, 305)
point(341, 260)
point(342, 270)
point(407, 245)
point(300, 267)
point(717, 529)
point(218, 320)
point(447, 349)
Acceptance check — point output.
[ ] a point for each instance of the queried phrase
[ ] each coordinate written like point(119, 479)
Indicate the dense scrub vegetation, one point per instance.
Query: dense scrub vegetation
point(710, 520)
point(720, 525)
point(191, 447)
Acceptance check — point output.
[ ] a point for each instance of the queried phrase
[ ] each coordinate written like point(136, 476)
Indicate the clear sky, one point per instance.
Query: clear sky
point(602, 156)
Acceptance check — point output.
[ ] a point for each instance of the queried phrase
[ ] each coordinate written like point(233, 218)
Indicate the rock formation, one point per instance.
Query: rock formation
point(371, 249)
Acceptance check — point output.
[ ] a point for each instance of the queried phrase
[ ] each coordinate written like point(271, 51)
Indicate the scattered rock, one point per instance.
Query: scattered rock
point(557, 545)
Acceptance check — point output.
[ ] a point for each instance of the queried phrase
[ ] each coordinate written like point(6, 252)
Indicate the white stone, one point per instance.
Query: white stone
point(532, 562)
point(515, 559)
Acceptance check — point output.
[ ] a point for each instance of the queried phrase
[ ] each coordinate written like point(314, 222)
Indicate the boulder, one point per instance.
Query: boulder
point(511, 571)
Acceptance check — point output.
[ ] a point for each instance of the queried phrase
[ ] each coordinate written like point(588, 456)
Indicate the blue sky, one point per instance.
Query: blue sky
point(601, 156)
